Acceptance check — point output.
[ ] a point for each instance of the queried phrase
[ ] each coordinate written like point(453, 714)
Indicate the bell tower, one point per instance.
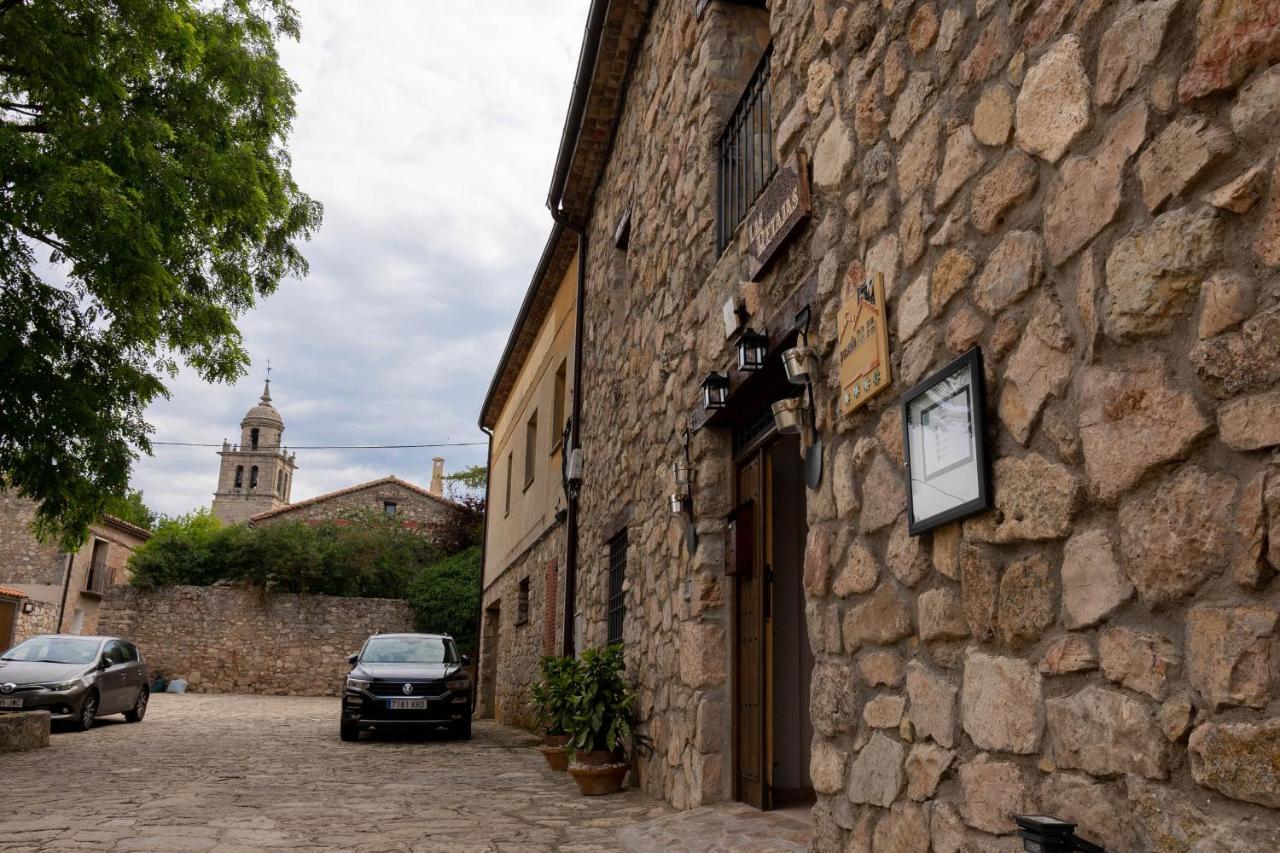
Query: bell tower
point(256, 475)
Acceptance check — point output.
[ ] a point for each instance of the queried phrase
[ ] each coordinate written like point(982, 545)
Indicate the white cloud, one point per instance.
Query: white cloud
point(429, 132)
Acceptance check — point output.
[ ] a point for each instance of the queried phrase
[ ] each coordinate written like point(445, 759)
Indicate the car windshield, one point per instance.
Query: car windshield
point(54, 650)
point(409, 650)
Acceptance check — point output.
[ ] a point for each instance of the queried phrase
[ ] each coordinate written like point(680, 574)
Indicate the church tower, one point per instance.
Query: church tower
point(257, 474)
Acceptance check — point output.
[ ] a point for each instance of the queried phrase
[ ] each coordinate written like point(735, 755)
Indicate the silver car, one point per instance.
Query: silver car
point(75, 678)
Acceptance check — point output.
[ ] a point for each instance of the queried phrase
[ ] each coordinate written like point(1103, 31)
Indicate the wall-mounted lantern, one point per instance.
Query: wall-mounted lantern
point(1042, 834)
point(795, 415)
point(28, 607)
point(753, 348)
point(715, 391)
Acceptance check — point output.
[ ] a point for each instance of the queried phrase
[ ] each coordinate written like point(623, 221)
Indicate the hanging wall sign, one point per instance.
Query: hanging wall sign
point(778, 212)
point(943, 430)
point(864, 340)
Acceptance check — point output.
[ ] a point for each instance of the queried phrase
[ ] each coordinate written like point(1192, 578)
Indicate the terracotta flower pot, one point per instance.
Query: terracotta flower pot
point(599, 772)
point(556, 752)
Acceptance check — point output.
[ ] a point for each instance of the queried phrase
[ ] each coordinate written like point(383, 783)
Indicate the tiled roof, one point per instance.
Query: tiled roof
point(391, 480)
point(140, 532)
point(9, 592)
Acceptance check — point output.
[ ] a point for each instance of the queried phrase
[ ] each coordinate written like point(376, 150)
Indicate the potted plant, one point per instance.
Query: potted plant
point(552, 699)
point(600, 723)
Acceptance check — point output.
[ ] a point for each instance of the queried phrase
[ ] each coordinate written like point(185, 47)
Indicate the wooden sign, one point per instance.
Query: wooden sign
point(863, 341)
point(774, 217)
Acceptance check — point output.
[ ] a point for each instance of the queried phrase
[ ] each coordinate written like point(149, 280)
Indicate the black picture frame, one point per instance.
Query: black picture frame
point(978, 460)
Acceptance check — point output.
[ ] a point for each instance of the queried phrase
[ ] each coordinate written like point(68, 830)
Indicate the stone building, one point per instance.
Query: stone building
point(391, 496)
point(45, 590)
point(1086, 192)
point(525, 413)
point(256, 475)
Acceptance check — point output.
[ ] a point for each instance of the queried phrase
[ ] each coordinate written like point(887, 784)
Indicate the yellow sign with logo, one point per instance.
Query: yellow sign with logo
point(864, 340)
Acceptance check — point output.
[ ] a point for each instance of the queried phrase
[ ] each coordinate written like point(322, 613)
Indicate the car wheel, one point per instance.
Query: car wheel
point(348, 731)
point(462, 729)
point(139, 709)
point(88, 713)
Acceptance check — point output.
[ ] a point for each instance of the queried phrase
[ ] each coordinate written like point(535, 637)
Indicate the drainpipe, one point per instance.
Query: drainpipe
point(575, 438)
point(484, 554)
point(66, 587)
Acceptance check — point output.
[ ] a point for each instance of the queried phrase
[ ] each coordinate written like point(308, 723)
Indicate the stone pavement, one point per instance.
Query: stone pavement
point(722, 828)
point(237, 774)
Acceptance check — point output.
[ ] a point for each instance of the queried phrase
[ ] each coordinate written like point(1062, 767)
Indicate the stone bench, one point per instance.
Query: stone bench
point(24, 730)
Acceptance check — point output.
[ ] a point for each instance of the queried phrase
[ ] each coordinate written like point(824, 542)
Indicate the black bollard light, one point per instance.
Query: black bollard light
point(1043, 834)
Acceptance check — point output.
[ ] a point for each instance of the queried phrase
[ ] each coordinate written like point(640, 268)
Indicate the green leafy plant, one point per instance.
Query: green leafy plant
point(603, 707)
point(552, 695)
point(445, 597)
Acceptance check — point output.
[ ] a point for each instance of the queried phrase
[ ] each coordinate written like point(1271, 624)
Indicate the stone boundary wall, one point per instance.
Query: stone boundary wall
point(43, 619)
point(226, 640)
point(1087, 190)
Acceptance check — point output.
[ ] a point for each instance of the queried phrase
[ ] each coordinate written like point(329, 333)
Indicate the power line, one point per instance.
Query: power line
point(328, 446)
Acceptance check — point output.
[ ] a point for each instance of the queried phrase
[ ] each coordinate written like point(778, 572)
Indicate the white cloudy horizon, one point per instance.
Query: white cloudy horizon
point(429, 133)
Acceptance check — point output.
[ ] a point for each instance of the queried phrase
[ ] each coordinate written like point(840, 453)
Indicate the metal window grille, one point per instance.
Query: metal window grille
point(617, 575)
point(746, 152)
point(99, 577)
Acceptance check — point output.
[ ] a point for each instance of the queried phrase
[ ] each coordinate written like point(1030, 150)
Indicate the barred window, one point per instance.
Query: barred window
point(746, 153)
point(522, 602)
point(617, 578)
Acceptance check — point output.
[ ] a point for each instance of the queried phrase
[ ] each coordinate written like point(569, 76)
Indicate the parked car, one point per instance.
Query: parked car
point(75, 678)
point(407, 681)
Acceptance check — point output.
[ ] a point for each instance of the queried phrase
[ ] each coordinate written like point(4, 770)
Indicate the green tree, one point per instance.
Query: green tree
point(188, 549)
point(142, 155)
point(132, 508)
point(445, 597)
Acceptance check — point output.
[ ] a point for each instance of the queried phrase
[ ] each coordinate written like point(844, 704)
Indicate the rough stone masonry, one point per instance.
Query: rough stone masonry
point(1090, 191)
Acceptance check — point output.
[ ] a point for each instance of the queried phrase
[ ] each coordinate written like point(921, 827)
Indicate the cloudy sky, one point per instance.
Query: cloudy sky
point(429, 131)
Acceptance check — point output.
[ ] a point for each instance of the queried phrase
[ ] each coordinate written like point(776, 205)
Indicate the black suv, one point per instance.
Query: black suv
point(407, 681)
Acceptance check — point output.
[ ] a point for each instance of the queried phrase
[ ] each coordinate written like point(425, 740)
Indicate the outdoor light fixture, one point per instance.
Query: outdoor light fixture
point(791, 415)
point(1041, 834)
point(685, 473)
point(28, 607)
point(715, 391)
point(677, 504)
point(753, 348)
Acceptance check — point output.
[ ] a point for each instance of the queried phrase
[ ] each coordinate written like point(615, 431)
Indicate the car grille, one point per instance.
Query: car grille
point(396, 688)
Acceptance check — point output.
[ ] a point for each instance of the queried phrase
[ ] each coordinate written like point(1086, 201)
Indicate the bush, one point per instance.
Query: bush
point(367, 555)
point(552, 695)
point(445, 597)
point(603, 706)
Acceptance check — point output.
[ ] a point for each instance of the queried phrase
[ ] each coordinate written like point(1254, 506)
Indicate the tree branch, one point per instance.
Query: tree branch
point(47, 240)
point(6, 5)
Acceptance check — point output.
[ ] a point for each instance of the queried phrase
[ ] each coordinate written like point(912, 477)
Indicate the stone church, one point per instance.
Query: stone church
point(255, 483)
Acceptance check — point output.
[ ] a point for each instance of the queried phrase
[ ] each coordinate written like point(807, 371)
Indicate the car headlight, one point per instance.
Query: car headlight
point(359, 683)
point(457, 684)
point(63, 685)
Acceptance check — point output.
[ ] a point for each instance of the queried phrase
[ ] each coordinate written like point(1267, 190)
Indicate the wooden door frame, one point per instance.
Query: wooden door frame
point(6, 642)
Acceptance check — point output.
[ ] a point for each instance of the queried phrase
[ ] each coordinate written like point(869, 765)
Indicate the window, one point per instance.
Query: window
point(253, 477)
point(530, 448)
point(746, 153)
point(522, 602)
point(557, 407)
point(617, 577)
point(389, 508)
point(253, 438)
point(239, 476)
point(506, 506)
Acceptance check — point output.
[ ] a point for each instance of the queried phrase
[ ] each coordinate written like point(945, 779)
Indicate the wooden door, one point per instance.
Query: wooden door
point(8, 622)
point(489, 655)
point(750, 782)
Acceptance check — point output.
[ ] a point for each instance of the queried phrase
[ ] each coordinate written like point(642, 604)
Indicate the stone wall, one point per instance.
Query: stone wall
point(1086, 190)
point(23, 558)
point(43, 619)
point(512, 649)
point(225, 640)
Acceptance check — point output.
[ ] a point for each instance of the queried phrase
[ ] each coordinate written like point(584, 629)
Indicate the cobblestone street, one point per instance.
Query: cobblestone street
point(235, 774)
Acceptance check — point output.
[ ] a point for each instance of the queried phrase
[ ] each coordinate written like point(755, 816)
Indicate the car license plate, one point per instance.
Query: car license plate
point(11, 702)
point(407, 704)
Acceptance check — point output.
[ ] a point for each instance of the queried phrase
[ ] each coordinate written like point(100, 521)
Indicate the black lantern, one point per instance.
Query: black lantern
point(1043, 834)
point(715, 391)
point(753, 347)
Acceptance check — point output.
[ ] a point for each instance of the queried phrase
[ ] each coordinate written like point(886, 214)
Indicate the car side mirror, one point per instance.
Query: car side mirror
point(103, 663)
point(351, 659)
point(466, 659)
